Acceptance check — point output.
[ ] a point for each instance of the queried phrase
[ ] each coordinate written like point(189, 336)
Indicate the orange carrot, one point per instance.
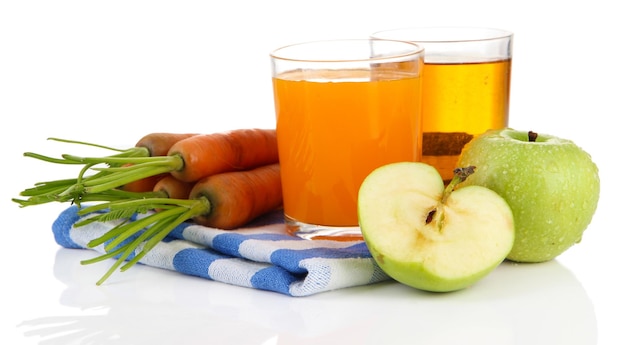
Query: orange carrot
point(227, 201)
point(156, 144)
point(215, 153)
point(143, 185)
point(173, 188)
point(159, 143)
point(189, 160)
point(152, 144)
point(236, 198)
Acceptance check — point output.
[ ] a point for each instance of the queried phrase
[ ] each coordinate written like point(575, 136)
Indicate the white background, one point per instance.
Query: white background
point(111, 71)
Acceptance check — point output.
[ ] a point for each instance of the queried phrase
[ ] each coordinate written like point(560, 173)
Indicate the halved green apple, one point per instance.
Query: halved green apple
point(429, 236)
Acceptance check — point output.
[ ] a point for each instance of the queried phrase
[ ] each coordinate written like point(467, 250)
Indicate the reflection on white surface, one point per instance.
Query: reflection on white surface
point(517, 304)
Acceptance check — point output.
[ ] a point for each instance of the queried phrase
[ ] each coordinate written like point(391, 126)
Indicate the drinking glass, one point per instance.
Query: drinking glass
point(343, 108)
point(466, 87)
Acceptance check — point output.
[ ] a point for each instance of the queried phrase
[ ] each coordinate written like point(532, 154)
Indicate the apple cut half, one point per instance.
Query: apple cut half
point(429, 236)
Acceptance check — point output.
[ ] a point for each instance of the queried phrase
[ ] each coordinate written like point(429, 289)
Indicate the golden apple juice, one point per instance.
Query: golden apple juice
point(461, 100)
point(333, 129)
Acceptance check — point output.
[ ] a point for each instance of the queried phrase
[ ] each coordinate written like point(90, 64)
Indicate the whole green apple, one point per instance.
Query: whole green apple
point(428, 236)
point(551, 184)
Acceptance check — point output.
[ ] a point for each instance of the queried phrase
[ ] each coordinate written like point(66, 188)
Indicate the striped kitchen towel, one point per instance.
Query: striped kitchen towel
point(260, 256)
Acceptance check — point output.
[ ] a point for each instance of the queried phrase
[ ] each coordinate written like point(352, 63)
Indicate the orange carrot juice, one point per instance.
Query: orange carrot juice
point(336, 127)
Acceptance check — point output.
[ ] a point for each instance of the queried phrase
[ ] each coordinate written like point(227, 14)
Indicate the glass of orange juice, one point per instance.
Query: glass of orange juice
point(343, 108)
point(466, 86)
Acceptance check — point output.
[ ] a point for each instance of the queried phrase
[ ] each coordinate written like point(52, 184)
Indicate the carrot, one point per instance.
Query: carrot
point(227, 201)
point(157, 143)
point(237, 198)
point(173, 188)
point(143, 185)
point(189, 159)
point(221, 152)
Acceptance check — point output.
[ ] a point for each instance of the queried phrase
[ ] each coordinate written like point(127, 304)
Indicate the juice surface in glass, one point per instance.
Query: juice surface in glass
point(333, 129)
point(461, 100)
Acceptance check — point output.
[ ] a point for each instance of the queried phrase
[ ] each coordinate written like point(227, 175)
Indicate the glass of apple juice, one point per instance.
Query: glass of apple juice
point(343, 108)
point(466, 87)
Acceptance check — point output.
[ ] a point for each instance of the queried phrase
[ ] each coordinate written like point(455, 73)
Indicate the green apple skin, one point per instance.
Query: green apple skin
point(471, 238)
point(551, 184)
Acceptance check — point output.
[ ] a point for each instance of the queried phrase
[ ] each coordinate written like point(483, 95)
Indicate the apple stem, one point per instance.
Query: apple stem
point(532, 136)
point(460, 174)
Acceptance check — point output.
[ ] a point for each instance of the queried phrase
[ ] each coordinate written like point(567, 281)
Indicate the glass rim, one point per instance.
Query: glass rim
point(467, 34)
point(274, 54)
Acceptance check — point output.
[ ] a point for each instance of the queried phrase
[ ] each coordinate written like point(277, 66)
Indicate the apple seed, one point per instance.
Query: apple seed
point(429, 217)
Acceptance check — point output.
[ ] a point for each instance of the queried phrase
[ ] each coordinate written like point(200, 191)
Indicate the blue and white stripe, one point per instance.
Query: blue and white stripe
point(260, 256)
